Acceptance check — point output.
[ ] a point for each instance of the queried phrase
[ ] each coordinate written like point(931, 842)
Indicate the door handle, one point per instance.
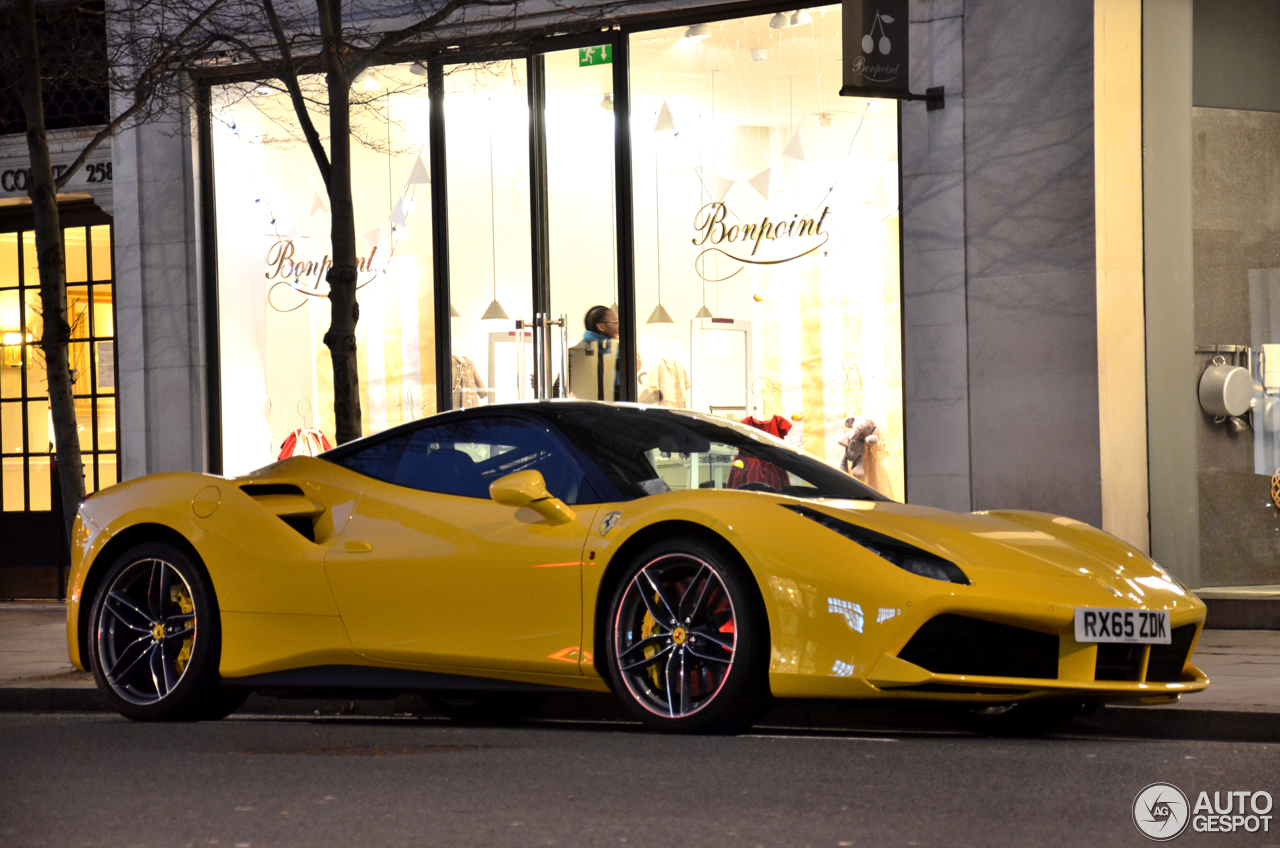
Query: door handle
point(358, 547)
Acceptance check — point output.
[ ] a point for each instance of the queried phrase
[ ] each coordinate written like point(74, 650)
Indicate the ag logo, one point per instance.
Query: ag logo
point(606, 524)
point(1161, 812)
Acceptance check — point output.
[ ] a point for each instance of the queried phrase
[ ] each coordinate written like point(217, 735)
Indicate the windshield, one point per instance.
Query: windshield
point(644, 451)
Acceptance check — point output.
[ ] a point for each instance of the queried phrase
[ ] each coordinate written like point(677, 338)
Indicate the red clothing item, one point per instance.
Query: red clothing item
point(304, 442)
point(755, 470)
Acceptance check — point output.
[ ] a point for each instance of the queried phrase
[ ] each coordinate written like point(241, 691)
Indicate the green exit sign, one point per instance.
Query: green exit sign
point(601, 55)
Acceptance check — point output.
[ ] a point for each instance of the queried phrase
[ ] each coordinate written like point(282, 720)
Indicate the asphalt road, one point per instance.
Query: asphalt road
point(97, 780)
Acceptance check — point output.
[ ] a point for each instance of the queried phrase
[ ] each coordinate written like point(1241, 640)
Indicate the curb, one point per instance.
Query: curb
point(1135, 722)
point(1242, 613)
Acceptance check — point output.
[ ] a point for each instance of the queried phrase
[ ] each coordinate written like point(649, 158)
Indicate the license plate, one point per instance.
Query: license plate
point(1142, 627)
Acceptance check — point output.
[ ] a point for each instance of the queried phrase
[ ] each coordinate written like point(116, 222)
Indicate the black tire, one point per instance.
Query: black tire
point(1025, 718)
point(715, 678)
point(155, 636)
point(487, 707)
point(223, 701)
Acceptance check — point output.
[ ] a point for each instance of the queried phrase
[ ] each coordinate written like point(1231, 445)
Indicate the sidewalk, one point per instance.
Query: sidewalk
point(1242, 702)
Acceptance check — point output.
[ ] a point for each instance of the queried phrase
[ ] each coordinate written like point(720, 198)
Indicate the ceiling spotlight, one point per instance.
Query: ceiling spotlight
point(759, 54)
point(697, 32)
point(780, 21)
point(606, 102)
point(801, 17)
point(262, 90)
point(418, 69)
point(371, 83)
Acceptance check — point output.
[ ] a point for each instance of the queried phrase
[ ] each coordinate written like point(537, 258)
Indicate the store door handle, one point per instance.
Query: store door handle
point(358, 547)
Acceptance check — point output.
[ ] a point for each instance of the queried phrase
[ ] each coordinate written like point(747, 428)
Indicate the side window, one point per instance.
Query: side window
point(377, 460)
point(464, 457)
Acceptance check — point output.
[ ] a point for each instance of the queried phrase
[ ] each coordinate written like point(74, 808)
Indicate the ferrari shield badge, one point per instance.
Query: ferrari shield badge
point(606, 523)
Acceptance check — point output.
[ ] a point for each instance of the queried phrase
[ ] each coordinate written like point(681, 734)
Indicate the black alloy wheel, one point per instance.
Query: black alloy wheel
point(155, 637)
point(688, 640)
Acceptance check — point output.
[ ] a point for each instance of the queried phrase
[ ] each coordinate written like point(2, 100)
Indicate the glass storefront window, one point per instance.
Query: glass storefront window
point(26, 427)
point(766, 229)
point(273, 251)
point(486, 109)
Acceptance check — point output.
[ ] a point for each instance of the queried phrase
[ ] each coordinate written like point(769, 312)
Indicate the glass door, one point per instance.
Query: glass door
point(582, 292)
point(532, 234)
point(486, 108)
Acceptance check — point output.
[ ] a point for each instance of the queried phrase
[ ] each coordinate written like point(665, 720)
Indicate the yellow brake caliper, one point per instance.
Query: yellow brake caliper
point(646, 630)
point(179, 595)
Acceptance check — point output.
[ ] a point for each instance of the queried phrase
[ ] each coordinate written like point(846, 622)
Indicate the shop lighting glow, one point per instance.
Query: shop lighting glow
point(697, 32)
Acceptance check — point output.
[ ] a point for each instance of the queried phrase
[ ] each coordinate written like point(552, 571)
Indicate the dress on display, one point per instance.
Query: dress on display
point(672, 383)
point(304, 441)
point(755, 470)
point(467, 385)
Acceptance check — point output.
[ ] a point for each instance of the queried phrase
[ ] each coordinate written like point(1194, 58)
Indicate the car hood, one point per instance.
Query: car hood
point(1050, 549)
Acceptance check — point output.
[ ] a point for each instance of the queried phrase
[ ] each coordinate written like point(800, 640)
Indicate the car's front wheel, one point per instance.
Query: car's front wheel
point(688, 640)
point(154, 637)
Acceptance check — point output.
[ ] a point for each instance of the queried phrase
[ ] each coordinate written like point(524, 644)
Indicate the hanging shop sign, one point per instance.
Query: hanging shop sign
point(719, 231)
point(876, 49)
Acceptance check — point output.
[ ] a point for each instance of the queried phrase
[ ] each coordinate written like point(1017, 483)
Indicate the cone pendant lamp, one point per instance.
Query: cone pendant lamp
point(660, 315)
point(495, 312)
point(704, 312)
point(453, 311)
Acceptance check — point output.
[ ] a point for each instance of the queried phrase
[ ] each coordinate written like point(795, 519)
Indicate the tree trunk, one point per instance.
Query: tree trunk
point(53, 276)
point(342, 277)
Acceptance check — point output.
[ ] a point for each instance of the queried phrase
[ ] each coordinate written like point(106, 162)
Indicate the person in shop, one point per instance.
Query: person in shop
point(591, 358)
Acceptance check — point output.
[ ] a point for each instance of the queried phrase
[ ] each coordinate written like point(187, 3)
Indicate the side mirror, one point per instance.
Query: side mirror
point(527, 488)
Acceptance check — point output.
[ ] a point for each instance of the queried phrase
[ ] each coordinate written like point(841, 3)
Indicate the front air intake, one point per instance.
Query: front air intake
point(957, 644)
point(1168, 661)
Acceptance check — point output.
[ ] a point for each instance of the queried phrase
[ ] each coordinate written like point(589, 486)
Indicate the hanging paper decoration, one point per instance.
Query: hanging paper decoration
point(371, 237)
point(760, 182)
point(400, 215)
point(720, 186)
point(666, 121)
point(317, 203)
point(419, 175)
point(794, 148)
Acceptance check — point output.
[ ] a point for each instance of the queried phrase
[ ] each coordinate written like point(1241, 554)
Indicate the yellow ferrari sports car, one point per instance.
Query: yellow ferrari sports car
point(695, 567)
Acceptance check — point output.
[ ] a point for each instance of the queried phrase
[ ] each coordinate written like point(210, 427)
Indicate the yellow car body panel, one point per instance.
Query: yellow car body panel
point(836, 610)
point(432, 579)
point(400, 578)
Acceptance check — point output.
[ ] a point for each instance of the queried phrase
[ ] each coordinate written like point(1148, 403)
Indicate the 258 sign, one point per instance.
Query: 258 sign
point(18, 179)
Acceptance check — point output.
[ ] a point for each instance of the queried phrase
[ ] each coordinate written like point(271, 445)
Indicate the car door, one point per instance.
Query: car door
point(430, 571)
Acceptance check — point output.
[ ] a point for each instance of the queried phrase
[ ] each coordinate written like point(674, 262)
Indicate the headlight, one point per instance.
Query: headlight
point(1164, 572)
point(905, 556)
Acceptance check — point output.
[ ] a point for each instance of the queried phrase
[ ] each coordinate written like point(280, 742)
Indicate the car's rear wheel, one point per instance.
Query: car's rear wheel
point(688, 640)
point(154, 637)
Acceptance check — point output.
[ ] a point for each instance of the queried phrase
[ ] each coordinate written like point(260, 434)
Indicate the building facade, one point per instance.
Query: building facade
point(1013, 291)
